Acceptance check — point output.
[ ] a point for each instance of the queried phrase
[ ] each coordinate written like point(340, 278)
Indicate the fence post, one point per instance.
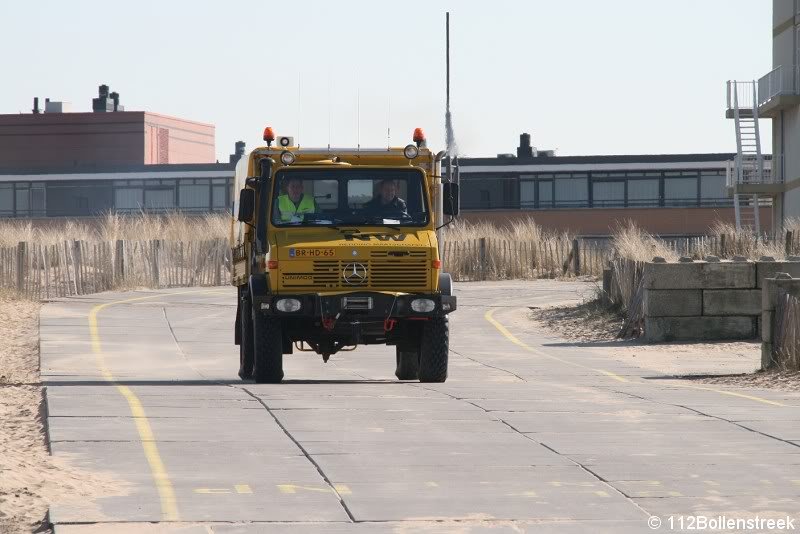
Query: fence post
point(21, 266)
point(722, 250)
point(156, 247)
point(78, 267)
point(119, 261)
point(482, 257)
point(788, 246)
point(576, 256)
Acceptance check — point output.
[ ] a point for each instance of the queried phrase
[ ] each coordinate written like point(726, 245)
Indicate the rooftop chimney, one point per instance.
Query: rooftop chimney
point(35, 105)
point(524, 150)
point(238, 152)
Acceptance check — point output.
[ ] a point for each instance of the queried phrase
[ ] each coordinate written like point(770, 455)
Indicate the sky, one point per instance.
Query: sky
point(581, 76)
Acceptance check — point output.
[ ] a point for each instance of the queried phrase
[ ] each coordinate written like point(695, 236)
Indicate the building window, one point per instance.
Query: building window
point(23, 199)
point(6, 200)
point(128, 198)
point(545, 194)
point(712, 189)
point(194, 196)
point(608, 194)
point(37, 199)
point(571, 192)
point(159, 199)
point(218, 197)
point(527, 194)
point(642, 193)
point(680, 191)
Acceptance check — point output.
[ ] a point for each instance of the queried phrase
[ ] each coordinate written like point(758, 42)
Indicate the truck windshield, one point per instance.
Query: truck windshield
point(347, 196)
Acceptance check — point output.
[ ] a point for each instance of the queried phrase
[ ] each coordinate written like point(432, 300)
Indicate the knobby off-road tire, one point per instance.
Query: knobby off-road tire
point(407, 364)
point(245, 327)
point(267, 349)
point(434, 349)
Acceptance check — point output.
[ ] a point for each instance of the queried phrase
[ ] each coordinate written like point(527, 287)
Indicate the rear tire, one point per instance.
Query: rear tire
point(267, 349)
point(407, 364)
point(245, 327)
point(434, 350)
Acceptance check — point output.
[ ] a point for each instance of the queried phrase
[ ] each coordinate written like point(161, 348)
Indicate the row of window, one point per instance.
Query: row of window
point(87, 198)
point(573, 190)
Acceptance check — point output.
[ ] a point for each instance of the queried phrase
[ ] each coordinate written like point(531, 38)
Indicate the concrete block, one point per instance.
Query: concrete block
point(734, 275)
point(766, 355)
point(674, 302)
point(767, 319)
point(775, 287)
point(767, 269)
point(732, 302)
point(699, 275)
point(672, 276)
point(698, 328)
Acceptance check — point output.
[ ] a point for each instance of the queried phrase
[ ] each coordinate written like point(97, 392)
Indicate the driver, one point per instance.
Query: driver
point(387, 199)
point(294, 204)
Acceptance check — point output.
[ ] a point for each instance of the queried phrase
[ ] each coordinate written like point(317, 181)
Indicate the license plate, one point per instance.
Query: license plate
point(311, 252)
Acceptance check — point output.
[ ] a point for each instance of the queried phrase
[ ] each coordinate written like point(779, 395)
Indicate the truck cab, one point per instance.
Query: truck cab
point(335, 248)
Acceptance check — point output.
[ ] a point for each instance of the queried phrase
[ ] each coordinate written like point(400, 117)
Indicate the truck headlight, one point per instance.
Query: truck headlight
point(288, 305)
point(422, 305)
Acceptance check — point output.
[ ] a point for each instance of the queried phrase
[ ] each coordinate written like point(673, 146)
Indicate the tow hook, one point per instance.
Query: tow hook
point(389, 324)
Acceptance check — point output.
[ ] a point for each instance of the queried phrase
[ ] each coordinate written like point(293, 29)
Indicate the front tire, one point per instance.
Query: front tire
point(434, 350)
point(407, 364)
point(267, 349)
point(245, 327)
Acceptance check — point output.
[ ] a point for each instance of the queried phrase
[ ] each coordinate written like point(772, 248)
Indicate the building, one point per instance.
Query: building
point(89, 192)
point(668, 194)
point(54, 163)
point(776, 96)
point(107, 136)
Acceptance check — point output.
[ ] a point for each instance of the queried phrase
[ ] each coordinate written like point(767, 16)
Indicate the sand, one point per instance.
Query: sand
point(31, 479)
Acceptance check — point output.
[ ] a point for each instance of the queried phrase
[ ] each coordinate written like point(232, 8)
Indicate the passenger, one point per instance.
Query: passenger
point(294, 204)
point(387, 201)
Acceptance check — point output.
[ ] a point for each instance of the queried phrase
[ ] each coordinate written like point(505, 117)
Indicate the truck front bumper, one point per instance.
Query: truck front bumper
point(359, 305)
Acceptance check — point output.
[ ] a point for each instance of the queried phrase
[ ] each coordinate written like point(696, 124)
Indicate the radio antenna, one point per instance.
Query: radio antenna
point(329, 111)
point(388, 122)
point(299, 102)
point(358, 118)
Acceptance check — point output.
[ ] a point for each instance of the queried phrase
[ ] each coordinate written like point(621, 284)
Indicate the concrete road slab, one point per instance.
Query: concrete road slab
point(517, 440)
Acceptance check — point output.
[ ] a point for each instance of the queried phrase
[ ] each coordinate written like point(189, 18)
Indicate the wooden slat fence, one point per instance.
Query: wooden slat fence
point(502, 259)
point(40, 271)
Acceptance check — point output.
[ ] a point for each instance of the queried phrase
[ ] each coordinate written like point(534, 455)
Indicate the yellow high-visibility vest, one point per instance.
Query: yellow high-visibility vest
point(288, 209)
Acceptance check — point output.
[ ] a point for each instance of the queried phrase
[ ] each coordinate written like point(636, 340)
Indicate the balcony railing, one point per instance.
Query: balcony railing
point(780, 81)
point(745, 171)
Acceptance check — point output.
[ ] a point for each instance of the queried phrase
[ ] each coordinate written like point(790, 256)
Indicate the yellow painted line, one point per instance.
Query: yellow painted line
point(292, 488)
point(166, 492)
point(212, 491)
point(731, 393)
point(342, 489)
point(511, 337)
point(243, 488)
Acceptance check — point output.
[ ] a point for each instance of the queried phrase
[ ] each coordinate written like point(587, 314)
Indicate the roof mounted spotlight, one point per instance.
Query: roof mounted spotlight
point(269, 135)
point(410, 151)
point(287, 158)
point(285, 141)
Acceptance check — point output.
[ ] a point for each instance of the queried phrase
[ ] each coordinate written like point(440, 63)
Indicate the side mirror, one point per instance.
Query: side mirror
point(247, 205)
point(450, 203)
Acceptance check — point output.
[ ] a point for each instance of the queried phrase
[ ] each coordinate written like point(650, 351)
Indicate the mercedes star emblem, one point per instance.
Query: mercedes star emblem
point(355, 274)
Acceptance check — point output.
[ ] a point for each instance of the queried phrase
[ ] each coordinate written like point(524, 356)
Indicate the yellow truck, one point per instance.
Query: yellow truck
point(335, 248)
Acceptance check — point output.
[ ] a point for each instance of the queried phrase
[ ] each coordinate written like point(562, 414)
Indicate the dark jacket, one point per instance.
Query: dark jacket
point(377, 206)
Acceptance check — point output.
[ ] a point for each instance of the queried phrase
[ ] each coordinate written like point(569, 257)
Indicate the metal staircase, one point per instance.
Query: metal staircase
point(749, 162)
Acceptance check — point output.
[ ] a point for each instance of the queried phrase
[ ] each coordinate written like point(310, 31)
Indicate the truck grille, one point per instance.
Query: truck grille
point(381, 274)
